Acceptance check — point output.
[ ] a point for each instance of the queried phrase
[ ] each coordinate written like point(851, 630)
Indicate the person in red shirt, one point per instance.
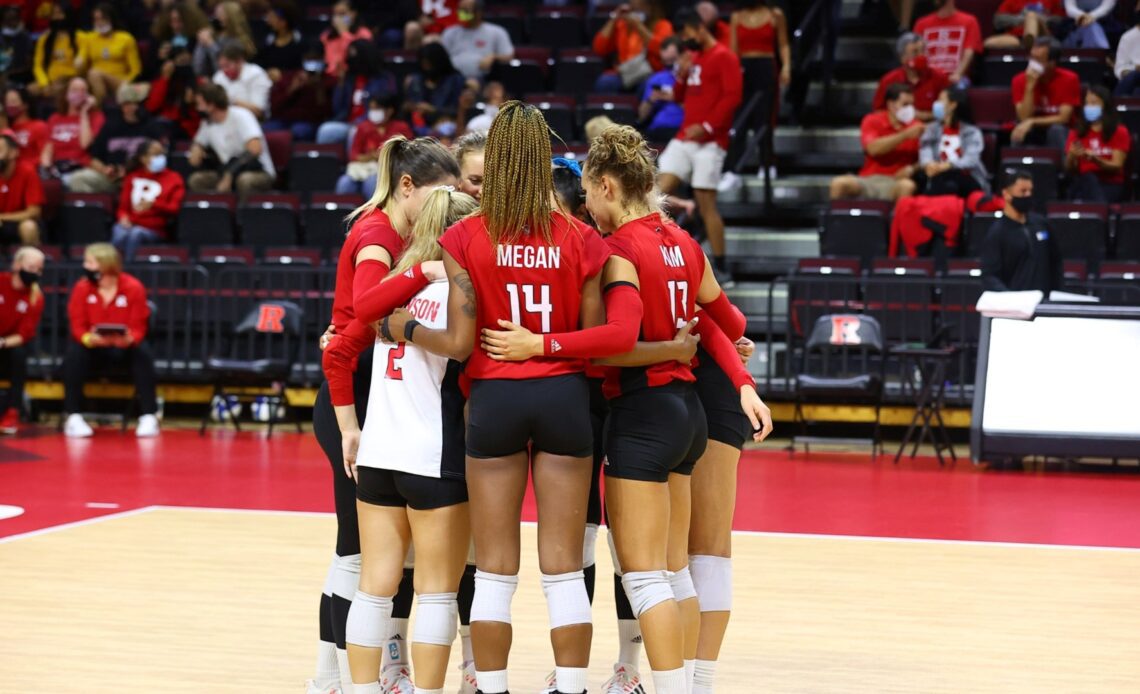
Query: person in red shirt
point(21, 305)
point(72, 129)
point(378, 126)
point(172, 97)
point(709, 85)
point(710, 14)
point(30, 134)
point(925, 82)
point(1045, 97)
point(1097, 150)
point(21, 195)
point(1021, 22)
point(149, 203)
point(953, 39)
point(890, 141)
point(109, 318)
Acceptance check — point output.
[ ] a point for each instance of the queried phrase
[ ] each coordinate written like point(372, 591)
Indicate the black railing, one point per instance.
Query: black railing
point(815, 36)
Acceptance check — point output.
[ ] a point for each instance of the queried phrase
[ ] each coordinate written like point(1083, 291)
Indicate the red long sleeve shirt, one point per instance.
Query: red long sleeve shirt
point(711, 93)
point(18, 315)
point(86, 309)
point(164, 190)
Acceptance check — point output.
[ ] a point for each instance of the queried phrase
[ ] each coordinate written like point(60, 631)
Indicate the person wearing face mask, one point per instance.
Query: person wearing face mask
point(494, 96)
point(284, 48)
point(890, 141)
point(434, 88)
point(363, 78)
point(229, 26)
point(1020, 252)
point(21, 195)
point(21, 305)
point(344, 31)
point(149, 203)
point(953, 39)
point(60, 51)
point(71, 130)
point(378, 127)
point(474, 45)
point(246, 84)
point(109, 317)
point(112, 54)
point(950, 149)
point(1021, 22)
point(1045, 96)
point(236, 138)
point(633, 37)
point(15, 46)
point(174, 34)
point(300, 99)
point(1127, 64)
point(116, 143)
point(925, 82)
point(30, 133)
point(1097, 150)
point(660, 115)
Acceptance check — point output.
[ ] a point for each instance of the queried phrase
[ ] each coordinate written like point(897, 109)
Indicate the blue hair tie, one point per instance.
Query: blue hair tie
point(571, 164)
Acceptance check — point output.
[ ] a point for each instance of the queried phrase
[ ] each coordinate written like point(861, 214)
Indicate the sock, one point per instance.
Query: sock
point(629, 643)
point(493, 682)
point(570, 680)
point(703, 674)
point(396, 650)
point(670, 681)
point(421, 690)
point(345, 672)
point(465, 638)
point(690, 666)
point(328, 671)
point(370, 688)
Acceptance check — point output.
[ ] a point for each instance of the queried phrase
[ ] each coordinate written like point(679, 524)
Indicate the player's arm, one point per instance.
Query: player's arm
point(682, 348)
point(458, 339)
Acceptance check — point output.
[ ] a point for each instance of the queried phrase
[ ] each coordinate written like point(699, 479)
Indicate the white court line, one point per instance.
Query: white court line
point(101, 504)
point(254, 511)
point(76, 524)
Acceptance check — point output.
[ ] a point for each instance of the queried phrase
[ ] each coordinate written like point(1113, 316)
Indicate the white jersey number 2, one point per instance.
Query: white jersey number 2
point(542, 306)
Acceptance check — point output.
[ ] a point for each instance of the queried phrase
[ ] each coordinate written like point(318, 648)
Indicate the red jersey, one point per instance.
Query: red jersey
point(370, 137)
point(444, 13)
point(163, 190)
point(670, 266)
point(31, 135)
point(64, 136)
point(1096, 143)
point(948, 38)
point(528, 282)
point(930, 84)
point(876, 125)
point(85, 308)
point(1052, 8)
point(372, 229)
point(21, 190)
point(1051, 91)
point(18, 315)
point(711, 94)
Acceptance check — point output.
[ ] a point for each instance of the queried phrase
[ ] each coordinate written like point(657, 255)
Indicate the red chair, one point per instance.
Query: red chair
point(225, 255)
point(162, 255)
point(993, 108)
point(269, 219)
point(280, 144)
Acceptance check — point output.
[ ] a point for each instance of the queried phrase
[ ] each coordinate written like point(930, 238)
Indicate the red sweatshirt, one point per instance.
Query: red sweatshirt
point(711, 94)
point(164, 190)
point(187, 118)
point(18, 316)
point(85, 308)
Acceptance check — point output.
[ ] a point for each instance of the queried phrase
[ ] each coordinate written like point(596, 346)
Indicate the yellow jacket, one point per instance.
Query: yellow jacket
point(62, 63)
point(115, 54)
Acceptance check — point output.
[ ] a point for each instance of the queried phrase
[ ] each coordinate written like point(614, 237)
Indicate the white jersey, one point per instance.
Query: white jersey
point(410, 413)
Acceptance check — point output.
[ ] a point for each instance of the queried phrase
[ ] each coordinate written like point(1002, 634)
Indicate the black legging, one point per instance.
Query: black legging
point(761, 77)
point(953, 182)
point(17, 370)
point(79, 360)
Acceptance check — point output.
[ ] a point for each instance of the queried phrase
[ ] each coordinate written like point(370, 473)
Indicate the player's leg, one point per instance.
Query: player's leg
point(677, 559)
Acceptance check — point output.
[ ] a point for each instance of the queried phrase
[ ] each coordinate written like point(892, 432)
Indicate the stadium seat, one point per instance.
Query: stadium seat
point(510, 17)
point(543, 55)
point(401, 64)
point(999, 70)
point(964, 267)
point(206, 219)
point(161, 255)
point(1044, 163)
point(576, 74)
point(269, 219)
point(857, 231)
point(280, 145)
point(1127, 245)
point(560, 118)
point(903, 267)
point(993, 108)
point(975, 228)
point(1081, 230)
point(324, 219)
point(86, 218)
point(315, 168)
point(547, 99)
point(291, 255)
point(520, 76)
point(830, 265)
point(1089, 65)
point(1129, 110)
point(620, 113)
point(557, 27)
point(630, 100)
point(225, 255)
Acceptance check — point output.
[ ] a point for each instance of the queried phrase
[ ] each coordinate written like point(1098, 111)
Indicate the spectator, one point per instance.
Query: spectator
point(1045, 97)
point(246, 84)
point(21, 195)
point(633, 36)
point(300, 99)
point(234, 30)
point(112, 54)
point(890, 141)
point(149, 203)
point(377, 128)
point(950, 149)
point(391, 18)
point(71, 130)
point(1087, 16)
point(235, 138)
point(596, 125)
point(59, 53)
point(21, 305)
point(469, 151)
point(175, 32)
point(1022, 22)
point(1097, 149)
point(171, 98)
point(434, 89)
point(659, 114)
point(15, 47)
point(345, 31)
point(363, 79)
point(710, 15)
point(1127, 64)
point(925, 82)
point(494, 96)
point(474, 45)
point(758, 32)
point(1020, 252)
point(437, 17)
point(284, 49)
point(30, 134)
point(953, 39)
point(116, 143)
point(109, 317)
point(709, 83)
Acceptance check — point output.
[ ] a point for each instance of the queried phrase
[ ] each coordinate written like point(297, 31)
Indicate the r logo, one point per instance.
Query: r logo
point(269, 319)
point(845, 330)
point(436, 8)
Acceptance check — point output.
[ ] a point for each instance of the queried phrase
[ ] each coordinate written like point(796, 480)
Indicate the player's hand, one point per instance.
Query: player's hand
point(758, 413)
point(329, 334)
point(395, 324)
point(349, 445)
point(433, 270)
point(512, 343)
point(745, 348)
point(685, 342)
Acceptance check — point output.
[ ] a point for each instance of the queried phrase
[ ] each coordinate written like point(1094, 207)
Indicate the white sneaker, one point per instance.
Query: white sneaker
point(397, 679)
point(312, 688)
point(625, 681)
point(468, 684)
point(551, 683)
point(148, 426)
point(729, 181)
point(76, 428)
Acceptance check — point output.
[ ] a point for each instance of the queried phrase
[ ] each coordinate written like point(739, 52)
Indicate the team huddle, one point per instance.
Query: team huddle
point(480, 340)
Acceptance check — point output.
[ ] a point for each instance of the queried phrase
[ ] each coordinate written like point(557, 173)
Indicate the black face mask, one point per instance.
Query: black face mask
point(204, 115)
point(692, 45)
point(29, 278)
point(93, 276)
point(3, 164)
point(57, 24)
point(1023, 204)
point(183, 73)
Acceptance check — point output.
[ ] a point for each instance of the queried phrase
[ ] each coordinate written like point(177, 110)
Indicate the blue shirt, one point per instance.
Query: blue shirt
point(667, 114)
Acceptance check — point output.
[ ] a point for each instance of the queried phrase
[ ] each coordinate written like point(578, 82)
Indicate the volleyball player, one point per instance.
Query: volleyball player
point(409, 473)
point(656, 430)
point(523, 259)
point(469, 153)
point(407, 172)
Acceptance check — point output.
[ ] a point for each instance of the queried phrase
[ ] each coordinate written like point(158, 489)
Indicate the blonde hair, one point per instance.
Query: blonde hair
point(596, 125)
point(621, 153)
point(443, 207)
point(110, 262)
point(518, 188)
point(237, 28)
point(34, 292)
point(424, 159)
point(471, 143)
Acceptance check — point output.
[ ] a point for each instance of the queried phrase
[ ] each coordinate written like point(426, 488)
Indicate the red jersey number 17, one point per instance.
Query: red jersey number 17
point(679, 301)
point(541, 307)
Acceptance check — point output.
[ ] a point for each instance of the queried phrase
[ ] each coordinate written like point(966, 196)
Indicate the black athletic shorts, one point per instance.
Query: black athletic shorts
point(505, 416)
point(393, 488)
point(599, 410)
point(652, 432)
point(727, 422)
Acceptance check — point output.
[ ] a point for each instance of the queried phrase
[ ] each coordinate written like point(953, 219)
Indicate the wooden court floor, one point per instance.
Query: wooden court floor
point(184, 600)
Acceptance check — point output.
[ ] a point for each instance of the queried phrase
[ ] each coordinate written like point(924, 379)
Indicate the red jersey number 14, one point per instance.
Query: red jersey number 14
point(525, 292)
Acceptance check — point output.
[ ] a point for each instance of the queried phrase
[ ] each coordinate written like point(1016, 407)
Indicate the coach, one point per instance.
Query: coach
point(21, 305)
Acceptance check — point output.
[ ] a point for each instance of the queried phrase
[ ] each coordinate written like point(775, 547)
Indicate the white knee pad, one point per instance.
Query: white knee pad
point(346, 576)
point(589, 541)
point(436, 614)
point(646, 589)
point(712, 577)
point(682, 584)
point(368, 621)
point(410, 560)
point(493, 595)
point(613, 551)
point(566, 599)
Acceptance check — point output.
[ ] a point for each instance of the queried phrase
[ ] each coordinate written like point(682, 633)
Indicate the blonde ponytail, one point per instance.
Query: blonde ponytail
point(442, 208)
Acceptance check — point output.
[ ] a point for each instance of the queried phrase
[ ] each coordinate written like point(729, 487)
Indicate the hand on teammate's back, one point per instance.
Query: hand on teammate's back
point(512, 343)
point(687, 342)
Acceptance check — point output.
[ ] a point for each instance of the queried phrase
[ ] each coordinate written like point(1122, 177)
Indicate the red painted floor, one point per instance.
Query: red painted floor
point(54, 480)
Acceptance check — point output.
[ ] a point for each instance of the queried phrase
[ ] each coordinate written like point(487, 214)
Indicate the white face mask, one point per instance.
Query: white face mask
point(103, 28)
point(905, 114)
point(1035, 67)
point(376, 115)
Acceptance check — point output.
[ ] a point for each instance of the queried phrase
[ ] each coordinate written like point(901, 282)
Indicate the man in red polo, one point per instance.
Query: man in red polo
point(925, 82)
point(890, 141)
point(1045, 97)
